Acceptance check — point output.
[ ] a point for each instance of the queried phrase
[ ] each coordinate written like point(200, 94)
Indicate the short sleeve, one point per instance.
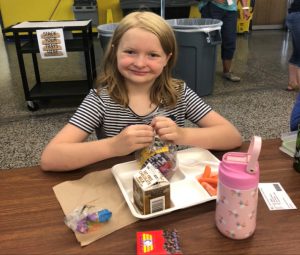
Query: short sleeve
point(89, 114)
point(196, 108)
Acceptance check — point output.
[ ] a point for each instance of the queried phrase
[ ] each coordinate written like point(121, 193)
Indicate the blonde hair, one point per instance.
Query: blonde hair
point(165, 89)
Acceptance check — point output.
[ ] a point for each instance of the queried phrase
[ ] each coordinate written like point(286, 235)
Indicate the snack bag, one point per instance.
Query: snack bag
point(162, 155)
point(86, 218)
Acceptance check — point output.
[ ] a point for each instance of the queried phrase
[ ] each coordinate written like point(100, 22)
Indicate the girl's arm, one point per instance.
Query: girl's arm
point(68, 150)
point(215, 132)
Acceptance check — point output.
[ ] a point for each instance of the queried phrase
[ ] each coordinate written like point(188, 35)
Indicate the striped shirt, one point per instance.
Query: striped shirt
point(98, 112)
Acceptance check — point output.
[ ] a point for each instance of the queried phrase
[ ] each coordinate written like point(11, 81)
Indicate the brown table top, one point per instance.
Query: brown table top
point(31, 219)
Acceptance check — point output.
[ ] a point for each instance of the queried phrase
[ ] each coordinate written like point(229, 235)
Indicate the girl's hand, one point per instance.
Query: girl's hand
point(167, 129)
point(132, 138)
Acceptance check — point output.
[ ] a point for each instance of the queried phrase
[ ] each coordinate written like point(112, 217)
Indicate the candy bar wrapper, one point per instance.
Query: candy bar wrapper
point(162, 155)
point(158, 242)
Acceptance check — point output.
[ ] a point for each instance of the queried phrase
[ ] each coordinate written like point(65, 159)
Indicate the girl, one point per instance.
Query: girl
point(136, 99)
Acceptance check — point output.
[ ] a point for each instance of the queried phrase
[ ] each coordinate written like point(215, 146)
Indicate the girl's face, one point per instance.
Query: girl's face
point(140, 57)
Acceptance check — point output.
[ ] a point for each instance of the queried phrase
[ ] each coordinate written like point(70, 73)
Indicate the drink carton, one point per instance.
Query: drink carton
point(151, 190)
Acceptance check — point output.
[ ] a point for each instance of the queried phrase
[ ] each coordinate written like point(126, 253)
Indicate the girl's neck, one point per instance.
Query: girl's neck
point(139, 99)
point(140, 103)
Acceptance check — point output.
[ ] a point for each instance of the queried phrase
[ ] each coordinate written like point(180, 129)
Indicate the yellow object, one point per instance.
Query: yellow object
point(243, 25)
point(64, 10)
point(194, 12)
point(105, 7)
point(109, 16)
point(14, 11)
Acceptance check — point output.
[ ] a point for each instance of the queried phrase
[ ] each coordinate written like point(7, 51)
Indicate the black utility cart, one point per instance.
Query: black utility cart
point(82, 42)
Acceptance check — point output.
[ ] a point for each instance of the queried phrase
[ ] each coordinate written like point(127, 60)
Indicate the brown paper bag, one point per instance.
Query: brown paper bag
point(98, 189)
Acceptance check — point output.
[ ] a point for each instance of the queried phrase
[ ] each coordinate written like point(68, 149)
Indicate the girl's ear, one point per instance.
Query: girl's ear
point(168, 57)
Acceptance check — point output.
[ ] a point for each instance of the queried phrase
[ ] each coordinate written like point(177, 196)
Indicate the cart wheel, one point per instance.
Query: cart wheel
point(32, 106)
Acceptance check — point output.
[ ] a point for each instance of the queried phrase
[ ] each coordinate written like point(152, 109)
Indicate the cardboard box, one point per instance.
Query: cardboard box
point(151, 190)
point(158, 242)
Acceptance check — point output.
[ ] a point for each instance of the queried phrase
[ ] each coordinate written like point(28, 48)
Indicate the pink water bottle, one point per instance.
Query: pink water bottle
point(238, 192)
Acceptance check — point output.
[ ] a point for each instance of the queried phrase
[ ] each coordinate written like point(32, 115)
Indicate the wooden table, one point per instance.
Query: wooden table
point(31, 220)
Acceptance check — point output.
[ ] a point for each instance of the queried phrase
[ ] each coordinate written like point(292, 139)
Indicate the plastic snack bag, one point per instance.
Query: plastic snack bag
point(162, 155)
point(86, 219)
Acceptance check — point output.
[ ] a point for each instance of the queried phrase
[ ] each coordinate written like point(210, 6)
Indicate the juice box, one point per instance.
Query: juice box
point(151, 190)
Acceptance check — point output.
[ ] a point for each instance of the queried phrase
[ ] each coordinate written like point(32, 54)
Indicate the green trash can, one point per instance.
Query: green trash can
point(197, 41)
point(105, 33)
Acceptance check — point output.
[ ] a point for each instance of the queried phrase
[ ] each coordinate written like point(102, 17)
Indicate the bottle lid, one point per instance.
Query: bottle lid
point(240, 170)
point(253, 152)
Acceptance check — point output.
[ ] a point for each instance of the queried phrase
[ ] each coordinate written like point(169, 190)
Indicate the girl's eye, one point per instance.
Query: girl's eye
point(129, 52)
point(153, 55)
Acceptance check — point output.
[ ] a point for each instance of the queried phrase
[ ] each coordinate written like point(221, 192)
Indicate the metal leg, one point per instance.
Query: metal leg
point(162, 8)
point(35, 62)
point(92, 53)
point(22, 66)
point(86, 50)
point(32, 106)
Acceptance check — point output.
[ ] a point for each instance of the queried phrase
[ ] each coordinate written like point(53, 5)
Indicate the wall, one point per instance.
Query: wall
point(14, 11)
point(269, 14)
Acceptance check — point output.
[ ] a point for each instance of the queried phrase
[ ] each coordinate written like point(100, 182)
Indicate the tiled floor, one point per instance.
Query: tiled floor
point(258, 105)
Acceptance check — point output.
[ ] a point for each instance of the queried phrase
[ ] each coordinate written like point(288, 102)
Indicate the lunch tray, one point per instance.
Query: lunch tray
point(185, 189)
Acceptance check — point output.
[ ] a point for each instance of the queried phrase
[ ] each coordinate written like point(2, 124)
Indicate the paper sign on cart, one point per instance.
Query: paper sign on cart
point(51, 43)
point(275, 196)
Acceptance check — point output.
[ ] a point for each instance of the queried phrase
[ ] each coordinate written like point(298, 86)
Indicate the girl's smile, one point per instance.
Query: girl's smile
point(137, 72)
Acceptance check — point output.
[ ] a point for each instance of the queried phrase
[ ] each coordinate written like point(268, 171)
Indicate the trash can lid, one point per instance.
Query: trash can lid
point(107, 29)
point(195, 23)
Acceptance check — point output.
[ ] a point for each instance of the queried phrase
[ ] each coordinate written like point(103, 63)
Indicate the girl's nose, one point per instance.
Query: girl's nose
point(140, 61)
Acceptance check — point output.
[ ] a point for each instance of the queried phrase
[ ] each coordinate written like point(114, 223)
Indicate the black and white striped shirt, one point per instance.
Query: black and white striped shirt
point(100, 112)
